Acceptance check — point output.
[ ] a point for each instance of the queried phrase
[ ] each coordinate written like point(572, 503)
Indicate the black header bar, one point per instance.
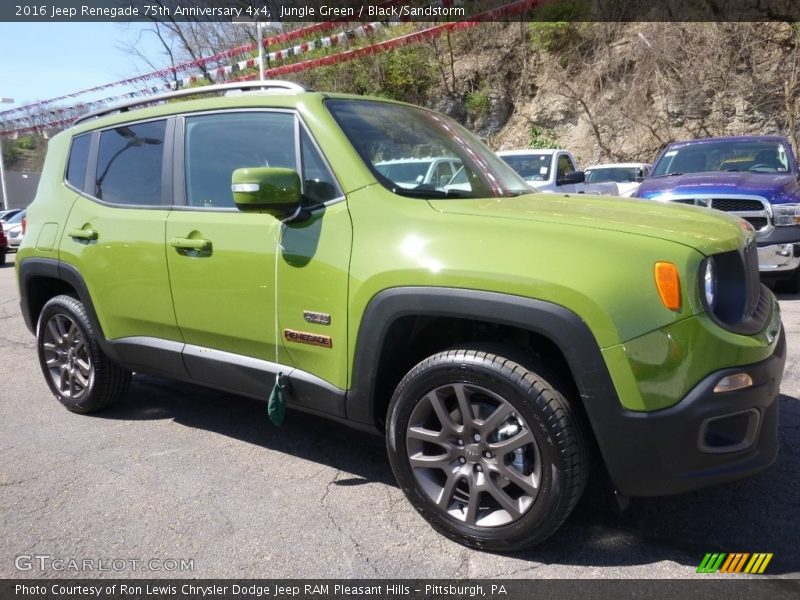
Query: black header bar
point(402, 10)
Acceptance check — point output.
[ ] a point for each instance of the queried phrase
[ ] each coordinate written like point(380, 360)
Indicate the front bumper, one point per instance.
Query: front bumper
point(705, 439)
point(779, 258)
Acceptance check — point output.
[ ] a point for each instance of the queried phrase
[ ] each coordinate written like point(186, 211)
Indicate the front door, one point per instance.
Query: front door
point(226, 265)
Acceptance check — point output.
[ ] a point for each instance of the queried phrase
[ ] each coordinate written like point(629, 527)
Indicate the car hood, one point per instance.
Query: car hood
point(707, 231)
point(774, 187)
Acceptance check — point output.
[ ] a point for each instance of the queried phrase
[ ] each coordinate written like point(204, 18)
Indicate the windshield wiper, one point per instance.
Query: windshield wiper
point(675, 174)
point(426, 193)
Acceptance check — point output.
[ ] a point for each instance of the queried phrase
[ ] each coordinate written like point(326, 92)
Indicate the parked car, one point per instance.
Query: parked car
point(7, 214)
point(754, 177)
point(553, 171)
point(14, 231)
point(413, 172)
point(501, 340)
point(627, 176)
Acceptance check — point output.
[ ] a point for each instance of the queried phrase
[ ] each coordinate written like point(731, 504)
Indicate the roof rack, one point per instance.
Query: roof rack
point(208, 89)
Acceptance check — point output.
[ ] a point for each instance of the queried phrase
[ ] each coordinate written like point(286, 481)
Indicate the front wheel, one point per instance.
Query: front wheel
point(791, 285)
point(487, 450)
point(79, 374)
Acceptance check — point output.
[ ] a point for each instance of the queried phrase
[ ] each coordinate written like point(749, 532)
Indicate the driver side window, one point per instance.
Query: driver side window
point(564, 166)
point(216, 145)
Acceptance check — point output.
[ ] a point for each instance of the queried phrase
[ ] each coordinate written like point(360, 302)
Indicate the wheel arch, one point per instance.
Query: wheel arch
point(41, 279)
point(396, 309)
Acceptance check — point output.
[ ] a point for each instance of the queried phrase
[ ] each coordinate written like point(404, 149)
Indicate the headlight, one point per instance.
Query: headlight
point(710, 283)
point(786, 214)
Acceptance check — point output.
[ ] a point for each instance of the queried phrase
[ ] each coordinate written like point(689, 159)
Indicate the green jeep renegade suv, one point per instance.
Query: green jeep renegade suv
point(502, 340)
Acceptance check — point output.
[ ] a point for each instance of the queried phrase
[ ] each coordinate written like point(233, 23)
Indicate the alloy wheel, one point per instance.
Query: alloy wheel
point(66, 355)
point(473, 455)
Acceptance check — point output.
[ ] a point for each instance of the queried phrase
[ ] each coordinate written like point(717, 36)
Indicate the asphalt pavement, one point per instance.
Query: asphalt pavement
point(180, 481)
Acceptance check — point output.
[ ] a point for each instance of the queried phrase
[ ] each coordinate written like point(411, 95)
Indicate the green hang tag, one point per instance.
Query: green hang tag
point(276, 407)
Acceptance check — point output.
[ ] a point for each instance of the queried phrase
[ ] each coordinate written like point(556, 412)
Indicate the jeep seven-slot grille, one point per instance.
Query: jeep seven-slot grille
point(752, 210)
point(743, 304)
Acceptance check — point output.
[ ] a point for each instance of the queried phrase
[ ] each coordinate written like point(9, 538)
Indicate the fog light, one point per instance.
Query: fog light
point(733, 382)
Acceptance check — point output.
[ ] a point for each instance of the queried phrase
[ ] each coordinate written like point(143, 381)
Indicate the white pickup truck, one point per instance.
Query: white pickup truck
point(553, 170)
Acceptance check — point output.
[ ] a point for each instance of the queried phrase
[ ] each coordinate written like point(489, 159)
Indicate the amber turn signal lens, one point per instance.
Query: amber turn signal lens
point(668, 283)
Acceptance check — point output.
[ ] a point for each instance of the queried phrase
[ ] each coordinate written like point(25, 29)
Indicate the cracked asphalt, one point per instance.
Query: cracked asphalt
point(180, 472)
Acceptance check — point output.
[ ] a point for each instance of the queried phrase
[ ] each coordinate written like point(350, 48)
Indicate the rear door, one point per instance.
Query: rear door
point(114, 235)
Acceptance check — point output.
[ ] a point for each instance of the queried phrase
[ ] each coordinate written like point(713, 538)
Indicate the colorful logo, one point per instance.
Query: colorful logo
point(735, 563)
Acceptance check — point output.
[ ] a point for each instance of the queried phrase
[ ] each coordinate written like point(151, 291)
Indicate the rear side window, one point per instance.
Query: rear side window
point(78, 157)
point(130, 163)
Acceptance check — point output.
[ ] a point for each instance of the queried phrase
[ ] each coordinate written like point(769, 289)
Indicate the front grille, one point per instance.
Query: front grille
point(753, 210)
point(757, 222)
point(743, 304)
point(736, 204)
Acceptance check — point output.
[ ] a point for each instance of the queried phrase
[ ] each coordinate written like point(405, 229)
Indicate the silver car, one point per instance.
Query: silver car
point(13, 230)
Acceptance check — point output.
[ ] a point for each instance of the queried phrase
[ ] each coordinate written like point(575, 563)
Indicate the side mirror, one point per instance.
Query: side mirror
point(572, 177)
point(272, 189)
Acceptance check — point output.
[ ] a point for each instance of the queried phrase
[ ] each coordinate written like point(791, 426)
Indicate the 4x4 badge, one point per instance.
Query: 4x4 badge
point(303, 337)
point(317, 317)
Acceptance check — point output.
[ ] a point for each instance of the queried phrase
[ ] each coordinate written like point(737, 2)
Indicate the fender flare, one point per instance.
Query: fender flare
point(559, 324)
point(59, 270)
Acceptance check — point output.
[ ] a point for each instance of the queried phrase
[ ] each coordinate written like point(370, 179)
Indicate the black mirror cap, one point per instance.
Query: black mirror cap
point(572, 177)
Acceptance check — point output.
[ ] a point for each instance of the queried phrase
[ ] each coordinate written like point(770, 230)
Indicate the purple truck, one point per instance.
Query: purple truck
point(754, 177)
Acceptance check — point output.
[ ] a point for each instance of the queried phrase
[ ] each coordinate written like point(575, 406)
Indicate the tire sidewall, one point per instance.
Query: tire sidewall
point(539, 517)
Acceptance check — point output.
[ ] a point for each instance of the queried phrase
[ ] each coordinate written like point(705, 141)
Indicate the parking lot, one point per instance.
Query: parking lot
point(179, 476)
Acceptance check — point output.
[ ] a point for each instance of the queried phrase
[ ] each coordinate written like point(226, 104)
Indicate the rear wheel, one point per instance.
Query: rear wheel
point(486, 449)
point(79, 374)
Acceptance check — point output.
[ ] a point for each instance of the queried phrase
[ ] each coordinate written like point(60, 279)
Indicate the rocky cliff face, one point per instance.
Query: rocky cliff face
point(612, 91)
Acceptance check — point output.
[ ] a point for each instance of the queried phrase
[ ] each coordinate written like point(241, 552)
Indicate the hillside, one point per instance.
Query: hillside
point(25, 154)
point(613, 91)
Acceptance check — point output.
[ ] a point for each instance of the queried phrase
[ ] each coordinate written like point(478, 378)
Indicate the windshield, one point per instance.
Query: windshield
point(615, 174)
point(735, 155)
point(532, 167)
point(398, 141)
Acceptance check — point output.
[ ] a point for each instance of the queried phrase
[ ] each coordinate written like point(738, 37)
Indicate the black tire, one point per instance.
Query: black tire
point(77, 371)
point(790, 285)
point(541, 412)
point(2, 258)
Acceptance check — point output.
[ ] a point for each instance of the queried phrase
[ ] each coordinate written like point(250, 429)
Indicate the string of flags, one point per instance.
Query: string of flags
point(243, 50)
point(180, 68)
point(333, 41)
point(508, 10)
